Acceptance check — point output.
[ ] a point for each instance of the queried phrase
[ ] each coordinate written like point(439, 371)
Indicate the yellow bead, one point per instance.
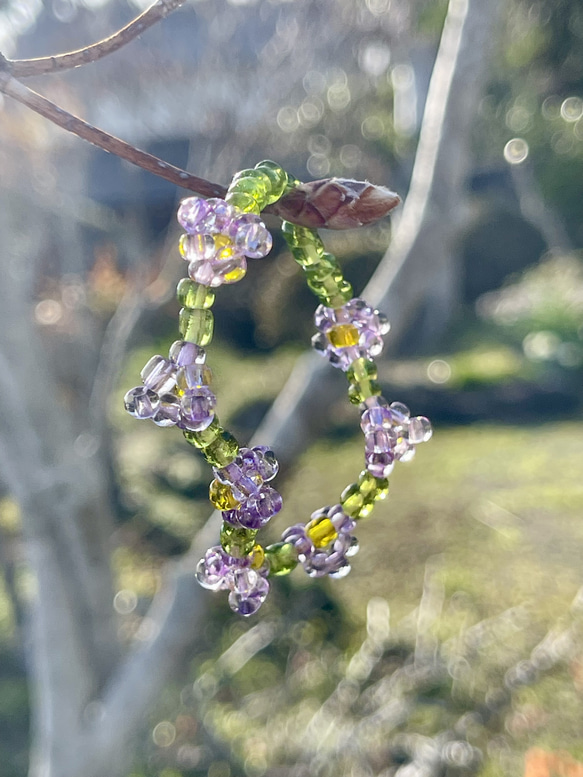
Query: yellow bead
point(321, 531)
point(234, 275)
point(258, 557)
point(221, 496)
point(343, 335)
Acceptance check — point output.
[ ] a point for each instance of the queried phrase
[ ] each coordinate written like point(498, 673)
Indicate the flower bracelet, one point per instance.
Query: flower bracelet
point(220, 236)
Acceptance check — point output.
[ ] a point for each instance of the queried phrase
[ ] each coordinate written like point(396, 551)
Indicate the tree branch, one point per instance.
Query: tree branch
point(39, 104)
point(21, 68)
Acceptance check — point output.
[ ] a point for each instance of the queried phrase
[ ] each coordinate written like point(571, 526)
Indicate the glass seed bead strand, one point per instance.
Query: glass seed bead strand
point(220, 234)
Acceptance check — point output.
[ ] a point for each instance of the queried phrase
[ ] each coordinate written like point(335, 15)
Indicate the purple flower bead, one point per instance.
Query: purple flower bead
point(192, 213)
point(141, 402)
point(159, 374)
point(198, 405)
point(169, 411)
point(184, 353)
point(220, 216)
point(380, 464)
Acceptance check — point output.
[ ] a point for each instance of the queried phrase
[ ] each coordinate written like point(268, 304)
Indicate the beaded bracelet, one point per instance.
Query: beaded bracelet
point(220, 235)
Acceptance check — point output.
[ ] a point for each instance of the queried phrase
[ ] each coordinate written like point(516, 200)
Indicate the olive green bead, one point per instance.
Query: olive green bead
point(356, 504)
point(278, 179)
point(318, 272)
point(222, 451)
point(205, 437)
point(341, 296)
point(196, 326)
point(238, 542)
point(194, 295)
point(369, 485)
point(253, 186)
point(243, 201)
point(327, 287)
point(282, 558)
point(362, 369)
point(358, 392)
point(296, 236)
point(308, 256)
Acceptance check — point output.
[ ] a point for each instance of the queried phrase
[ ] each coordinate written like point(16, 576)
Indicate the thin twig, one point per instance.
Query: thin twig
point(39, 104)
point(20, 68)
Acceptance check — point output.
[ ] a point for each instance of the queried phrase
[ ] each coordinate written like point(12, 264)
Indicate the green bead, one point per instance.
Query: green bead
point(358, 392)
point(278, 179)
point(318, 272)
point(243, 201)
point(282, 558)
point(254, 187)
point(368, 485)
point(355, 503)
point(196, 326)
point(206, 436)
point(328, 287)
point(237, 541)
point(222, 450)
point(194, 295)
point(296, 236)
point(362, 369)
point(308, 256)
point(262, 181)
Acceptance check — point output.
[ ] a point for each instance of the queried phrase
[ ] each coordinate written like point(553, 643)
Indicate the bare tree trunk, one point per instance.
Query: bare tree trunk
point(420, 272)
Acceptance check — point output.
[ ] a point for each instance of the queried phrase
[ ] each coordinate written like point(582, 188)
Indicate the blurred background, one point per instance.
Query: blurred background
point(453, 646)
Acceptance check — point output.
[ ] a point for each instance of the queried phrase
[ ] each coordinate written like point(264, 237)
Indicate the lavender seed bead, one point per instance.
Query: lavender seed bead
point(191, 213)
point(198, 408)
point(379, 464)
point(419, 429)
point(159, 374)
point(141, 402)
point(184, 353)
point(169, 411)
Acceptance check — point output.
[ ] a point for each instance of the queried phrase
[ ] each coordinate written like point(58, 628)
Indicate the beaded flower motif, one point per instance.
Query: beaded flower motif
point(325, 543)
point(218, 239)
point(391, 434)
point(175, 391)
point(240, 489)
point(350, 332)
point(244, 578)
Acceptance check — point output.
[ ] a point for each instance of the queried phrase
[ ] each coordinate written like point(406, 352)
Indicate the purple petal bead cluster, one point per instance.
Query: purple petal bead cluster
point(331, 558)
point(247, 477)
point(218, 239)
point(391, 434)
point(369, 324)
point(247, 586)
point(175, 391)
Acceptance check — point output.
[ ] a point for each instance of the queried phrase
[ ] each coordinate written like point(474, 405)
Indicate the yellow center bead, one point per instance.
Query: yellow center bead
point(321, 531)
point(221, 496)
point(223, 246)
point(343, 335)
point(257, 557)
point(234, 275)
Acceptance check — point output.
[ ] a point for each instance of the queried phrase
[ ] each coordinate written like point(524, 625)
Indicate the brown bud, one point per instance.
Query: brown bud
point(336, 203)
